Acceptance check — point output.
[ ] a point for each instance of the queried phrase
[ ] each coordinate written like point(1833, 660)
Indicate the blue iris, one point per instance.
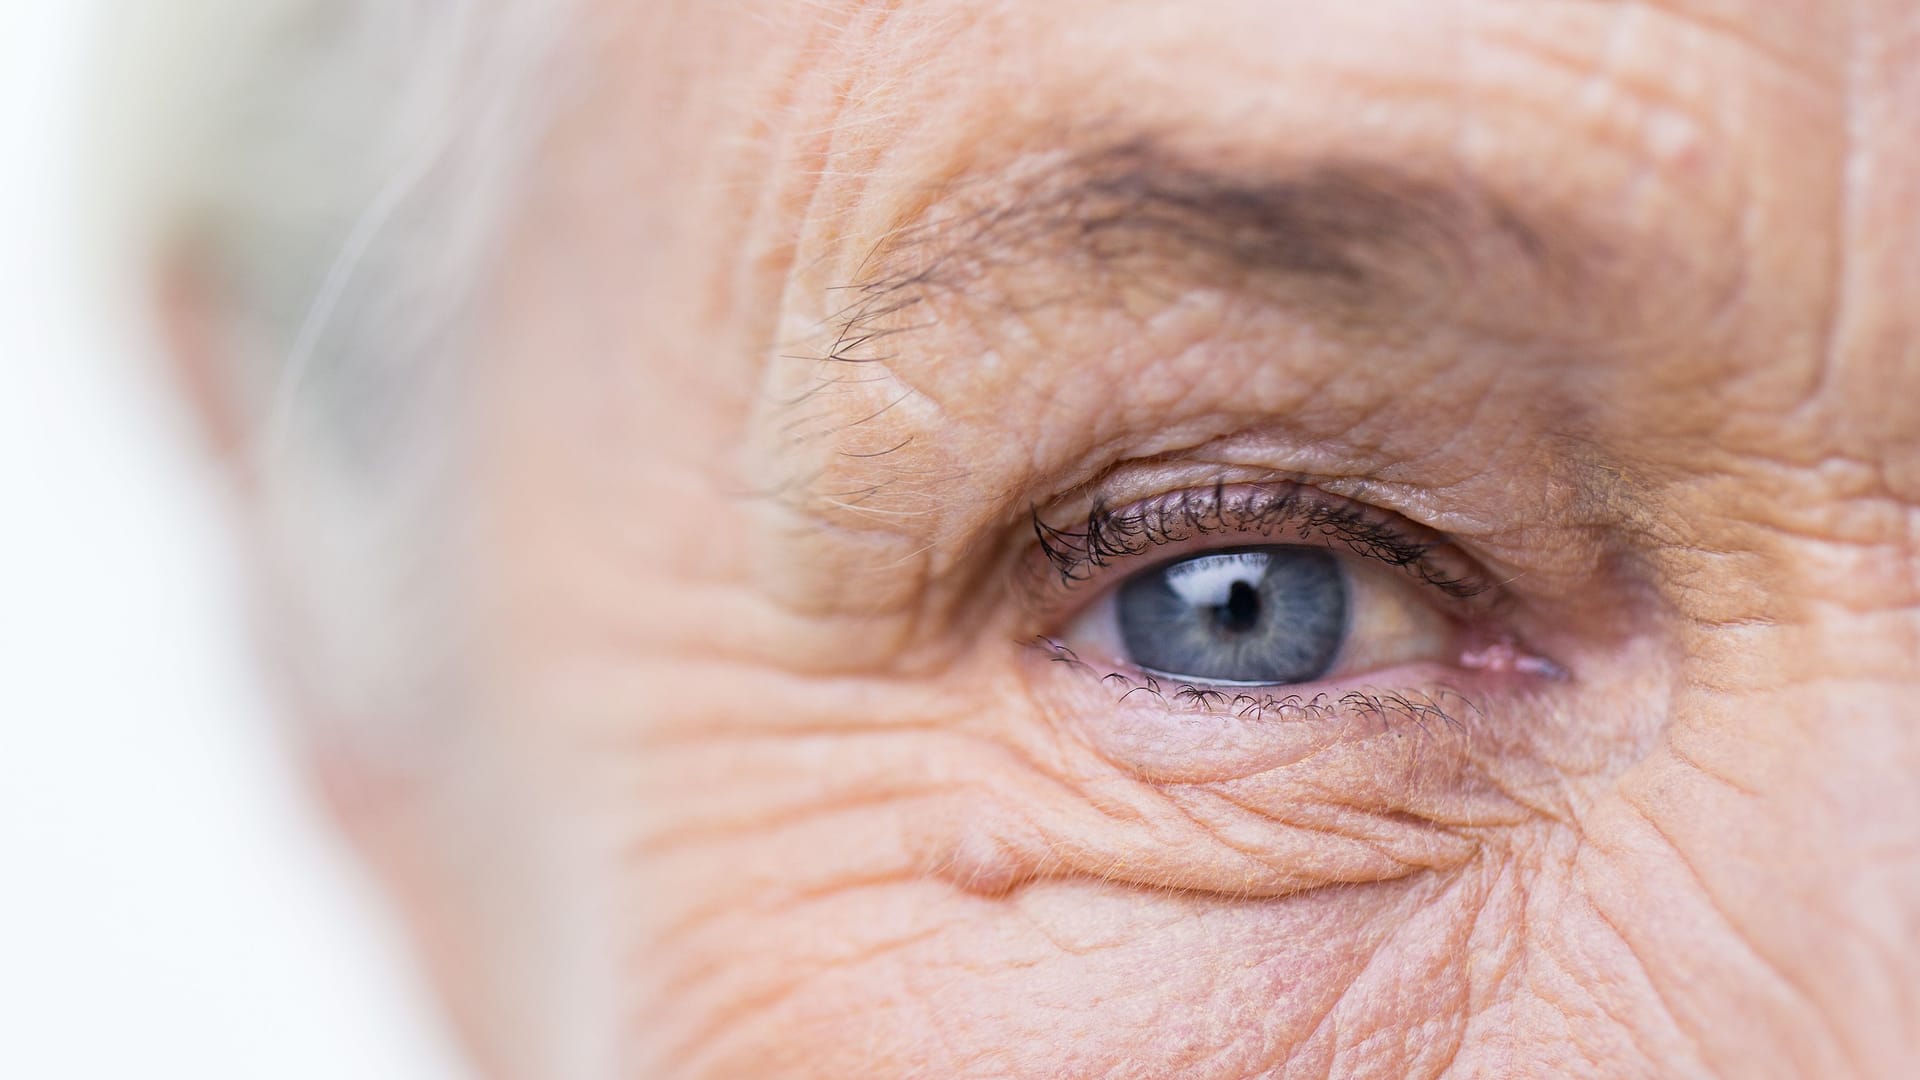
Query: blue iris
point(1260, 615)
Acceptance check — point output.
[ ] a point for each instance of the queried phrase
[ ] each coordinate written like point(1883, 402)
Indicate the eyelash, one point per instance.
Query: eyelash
point(1112, 536)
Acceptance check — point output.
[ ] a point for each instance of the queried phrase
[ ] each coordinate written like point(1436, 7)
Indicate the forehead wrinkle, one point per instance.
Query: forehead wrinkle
point(1347, 238)
point(1776, 31)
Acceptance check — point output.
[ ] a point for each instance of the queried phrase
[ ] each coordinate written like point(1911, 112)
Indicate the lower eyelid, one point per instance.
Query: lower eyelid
point(1371, 749)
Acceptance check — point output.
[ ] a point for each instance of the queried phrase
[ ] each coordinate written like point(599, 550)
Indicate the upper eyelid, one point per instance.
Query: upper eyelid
point(1112, 536)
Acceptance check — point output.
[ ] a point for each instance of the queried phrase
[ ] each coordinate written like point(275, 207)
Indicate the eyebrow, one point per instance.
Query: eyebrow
point(1403, 266)
point(1345, 236)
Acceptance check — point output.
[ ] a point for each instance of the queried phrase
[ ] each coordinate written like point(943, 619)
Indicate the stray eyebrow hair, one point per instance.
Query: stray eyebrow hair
point(1345, 236)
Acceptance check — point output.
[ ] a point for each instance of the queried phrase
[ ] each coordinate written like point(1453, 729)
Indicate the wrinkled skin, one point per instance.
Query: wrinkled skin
point(760, 773)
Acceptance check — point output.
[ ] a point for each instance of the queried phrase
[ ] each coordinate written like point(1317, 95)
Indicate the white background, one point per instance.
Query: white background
point(170, 905)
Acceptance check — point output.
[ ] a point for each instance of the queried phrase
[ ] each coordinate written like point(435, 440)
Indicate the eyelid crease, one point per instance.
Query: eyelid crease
point(1268, 510)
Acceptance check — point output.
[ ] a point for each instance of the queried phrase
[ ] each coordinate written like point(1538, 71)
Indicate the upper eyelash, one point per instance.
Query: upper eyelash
point(1111, 535)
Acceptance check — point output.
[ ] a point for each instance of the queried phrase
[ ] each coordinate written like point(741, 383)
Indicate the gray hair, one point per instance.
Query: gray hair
point(335, 172)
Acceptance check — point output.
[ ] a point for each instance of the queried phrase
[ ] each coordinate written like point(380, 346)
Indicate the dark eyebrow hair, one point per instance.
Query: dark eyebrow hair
point(1343, 235)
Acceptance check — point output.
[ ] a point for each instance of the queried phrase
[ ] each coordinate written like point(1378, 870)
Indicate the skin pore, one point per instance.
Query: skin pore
point(813, 310)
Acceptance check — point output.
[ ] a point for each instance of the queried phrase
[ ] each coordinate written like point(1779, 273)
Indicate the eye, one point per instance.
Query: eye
point(1350, 593)
point(1262, 615)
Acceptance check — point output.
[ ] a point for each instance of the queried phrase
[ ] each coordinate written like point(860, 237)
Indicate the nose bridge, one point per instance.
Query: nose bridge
point(1794, 804)
point(1860, 602)
point(1803, 695)
point(1823, 591)
point(1786, 776)
point(1870, 388)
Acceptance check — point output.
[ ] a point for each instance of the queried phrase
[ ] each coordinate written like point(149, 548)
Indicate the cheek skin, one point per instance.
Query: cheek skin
point(1065, 979)
point(841, 876)
point(879, 880)
point(919, 894)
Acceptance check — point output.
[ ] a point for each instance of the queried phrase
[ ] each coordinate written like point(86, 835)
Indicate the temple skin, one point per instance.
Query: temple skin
point(809, 306)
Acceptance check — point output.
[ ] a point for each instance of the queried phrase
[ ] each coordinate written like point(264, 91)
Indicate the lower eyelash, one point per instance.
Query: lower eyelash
point(1423, 710)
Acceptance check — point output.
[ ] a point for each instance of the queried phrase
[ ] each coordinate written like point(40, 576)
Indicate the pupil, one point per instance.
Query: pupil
point(1241, 612)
